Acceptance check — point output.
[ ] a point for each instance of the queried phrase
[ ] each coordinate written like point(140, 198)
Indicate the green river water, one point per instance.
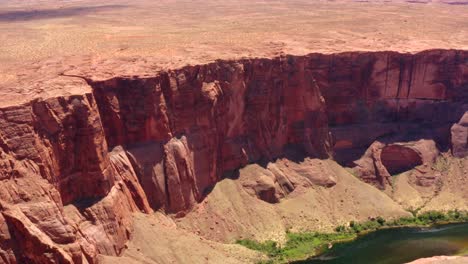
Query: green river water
point(399, 245)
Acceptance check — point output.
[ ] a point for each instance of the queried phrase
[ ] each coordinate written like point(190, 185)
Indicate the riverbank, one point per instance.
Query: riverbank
point(301, 246)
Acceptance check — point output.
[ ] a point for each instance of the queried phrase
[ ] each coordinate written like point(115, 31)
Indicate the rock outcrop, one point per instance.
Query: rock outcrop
point(282, 177)
point(460, 137)
point(74, 168)
point(382, 160)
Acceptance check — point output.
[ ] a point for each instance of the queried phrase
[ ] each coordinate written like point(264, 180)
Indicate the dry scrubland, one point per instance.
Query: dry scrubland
point(40, 40)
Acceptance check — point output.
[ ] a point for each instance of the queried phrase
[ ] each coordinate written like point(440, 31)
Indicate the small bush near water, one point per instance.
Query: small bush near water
point(303, 245)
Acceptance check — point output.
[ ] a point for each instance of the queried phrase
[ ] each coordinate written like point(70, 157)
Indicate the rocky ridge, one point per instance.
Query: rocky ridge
point(74, 168)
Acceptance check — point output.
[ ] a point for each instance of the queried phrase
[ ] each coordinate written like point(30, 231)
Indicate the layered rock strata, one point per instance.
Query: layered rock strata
point(74, 168)
point(64, 197)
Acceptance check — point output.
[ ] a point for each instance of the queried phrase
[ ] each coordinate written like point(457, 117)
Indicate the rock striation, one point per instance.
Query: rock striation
point(63, 197)
point(74, 168)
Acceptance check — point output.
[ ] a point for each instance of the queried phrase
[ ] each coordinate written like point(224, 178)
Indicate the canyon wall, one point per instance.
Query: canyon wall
point(74, 168)
point(230, 113)
point(63, 198)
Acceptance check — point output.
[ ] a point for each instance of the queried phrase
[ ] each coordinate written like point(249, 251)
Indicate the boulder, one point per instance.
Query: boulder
point(281, 177)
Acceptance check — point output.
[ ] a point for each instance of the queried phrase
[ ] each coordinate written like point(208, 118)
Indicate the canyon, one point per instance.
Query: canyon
point(230, 149)
point(165, 131)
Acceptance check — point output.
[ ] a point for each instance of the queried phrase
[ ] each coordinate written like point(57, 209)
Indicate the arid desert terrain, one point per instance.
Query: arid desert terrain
point(41, 39)
point(165, 131)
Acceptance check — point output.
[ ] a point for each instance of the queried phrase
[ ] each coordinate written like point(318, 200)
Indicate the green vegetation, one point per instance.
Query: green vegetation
point(431, 218)
point(268, 247)
point(414, 211)
point(298, 245)
point(303, 245)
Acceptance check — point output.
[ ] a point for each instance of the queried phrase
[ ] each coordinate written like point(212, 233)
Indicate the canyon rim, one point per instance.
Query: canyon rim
point(164, 132)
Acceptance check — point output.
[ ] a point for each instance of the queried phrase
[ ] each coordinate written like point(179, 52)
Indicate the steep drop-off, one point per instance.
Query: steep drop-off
point(74, 168)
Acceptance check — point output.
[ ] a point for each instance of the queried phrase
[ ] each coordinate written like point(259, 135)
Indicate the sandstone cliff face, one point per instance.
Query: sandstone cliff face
point(411, 96)
point(205, 121)
point(74, 168)
point(224, 115)
point(54, 153)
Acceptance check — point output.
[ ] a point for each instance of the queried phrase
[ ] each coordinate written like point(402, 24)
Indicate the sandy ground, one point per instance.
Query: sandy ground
point(229, 212)
point(450, 193)
point(43, 38)
point(207, 234)
point(156, 239)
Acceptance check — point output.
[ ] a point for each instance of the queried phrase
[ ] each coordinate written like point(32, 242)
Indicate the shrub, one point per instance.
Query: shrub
point(454, 214)
point(380, 220)
point(357, 228)
point(340, 228)
point(370, 225)
point(431, 216)
point(269, 247)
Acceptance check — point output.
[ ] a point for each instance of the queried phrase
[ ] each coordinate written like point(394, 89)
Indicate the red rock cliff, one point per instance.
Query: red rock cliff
point(205, 121)
point(54, 153)
point(74, 168)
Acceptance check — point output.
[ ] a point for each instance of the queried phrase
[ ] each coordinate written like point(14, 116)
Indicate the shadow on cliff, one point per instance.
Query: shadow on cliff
point(292, 153)
point(83, 204)
point(432, 121)
point(440, 135)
